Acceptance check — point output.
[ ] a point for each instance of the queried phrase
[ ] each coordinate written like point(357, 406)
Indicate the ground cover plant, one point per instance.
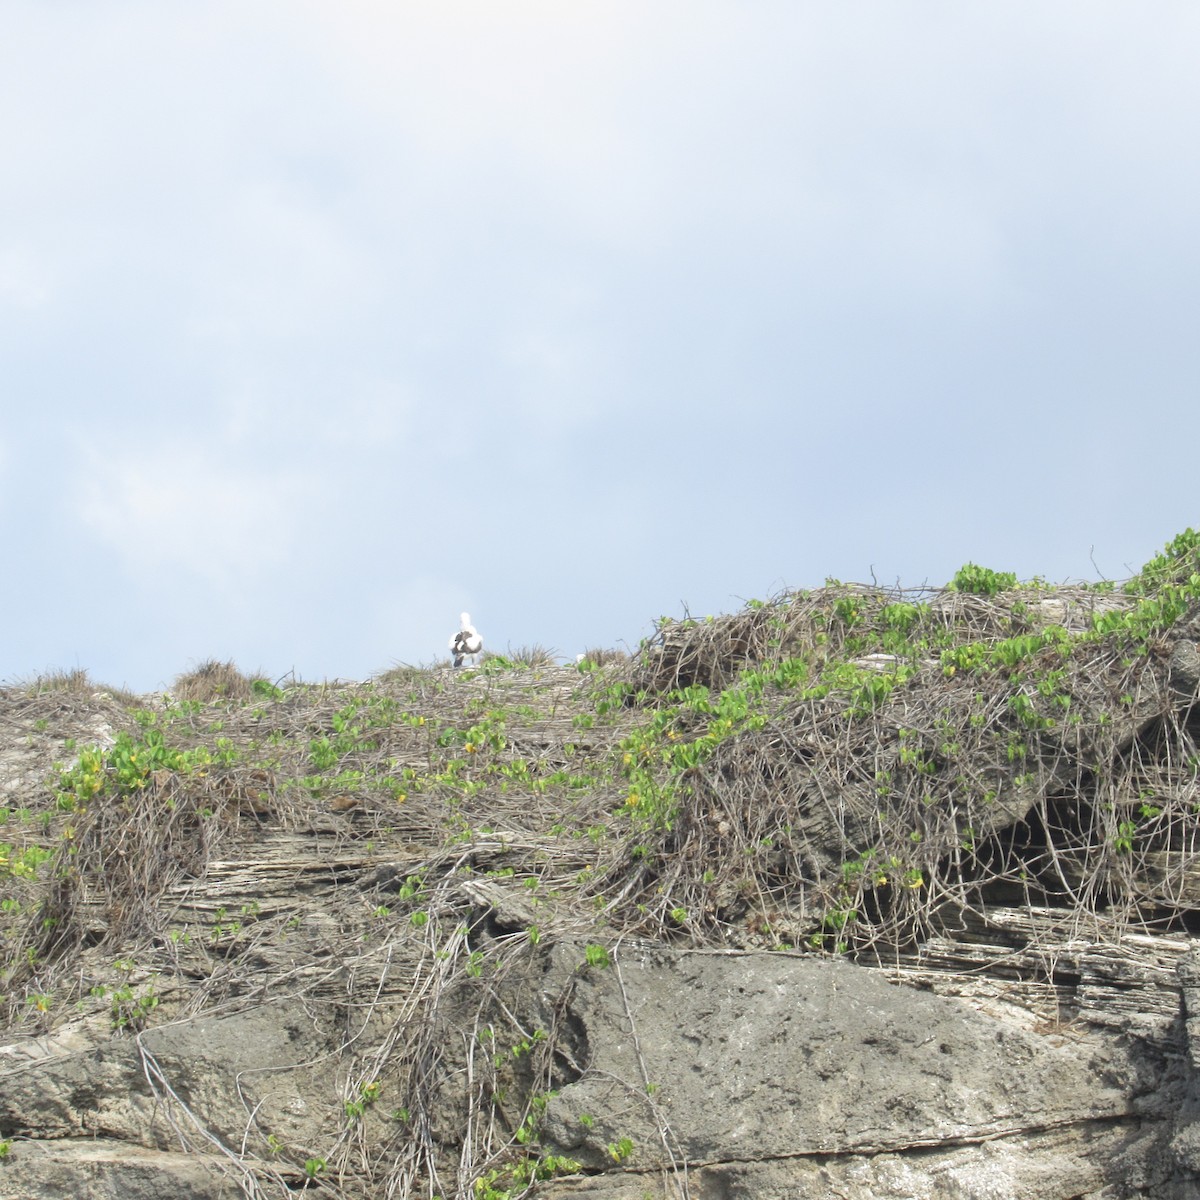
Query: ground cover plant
point(846, 771)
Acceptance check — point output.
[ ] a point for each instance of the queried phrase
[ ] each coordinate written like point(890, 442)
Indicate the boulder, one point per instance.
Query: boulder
point(755, 1074)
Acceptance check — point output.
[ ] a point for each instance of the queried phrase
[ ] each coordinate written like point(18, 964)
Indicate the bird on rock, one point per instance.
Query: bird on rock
point(466, 643)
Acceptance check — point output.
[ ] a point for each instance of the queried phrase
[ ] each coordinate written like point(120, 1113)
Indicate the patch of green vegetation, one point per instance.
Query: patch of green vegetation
point(125, 767)
point(981, 581)
point(1178, 562)
point(21, 863)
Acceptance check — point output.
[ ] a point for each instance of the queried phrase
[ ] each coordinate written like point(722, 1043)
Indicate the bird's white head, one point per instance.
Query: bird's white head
point(465, 619)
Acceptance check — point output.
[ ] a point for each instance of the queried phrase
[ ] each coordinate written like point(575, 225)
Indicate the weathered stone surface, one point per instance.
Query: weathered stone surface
point(86, 1081)
point(1073, 1164)
point(1186, 1144)
point(770, 1074)
point(733, 1075)
point(1185, 669)
point(106, 1169)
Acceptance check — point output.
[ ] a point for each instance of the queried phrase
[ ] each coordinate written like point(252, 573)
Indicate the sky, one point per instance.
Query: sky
point(323, 322)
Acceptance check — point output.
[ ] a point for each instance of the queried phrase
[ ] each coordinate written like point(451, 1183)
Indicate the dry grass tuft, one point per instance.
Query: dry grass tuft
point(600, 657)
point(75, 682)
point(531, 656)
point(405, 674)
point(213, 680)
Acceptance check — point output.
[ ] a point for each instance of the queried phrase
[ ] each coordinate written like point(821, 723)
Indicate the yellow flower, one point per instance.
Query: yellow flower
point(470, 747)
point(632, 800)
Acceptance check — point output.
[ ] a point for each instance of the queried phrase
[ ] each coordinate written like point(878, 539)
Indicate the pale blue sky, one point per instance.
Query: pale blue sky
point(320, 323)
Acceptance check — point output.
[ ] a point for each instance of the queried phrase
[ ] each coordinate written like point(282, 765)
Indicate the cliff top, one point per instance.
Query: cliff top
point(990, 779)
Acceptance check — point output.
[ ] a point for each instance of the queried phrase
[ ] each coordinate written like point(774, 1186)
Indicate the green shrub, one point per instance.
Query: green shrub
point(980, 581)
point(1179, 560)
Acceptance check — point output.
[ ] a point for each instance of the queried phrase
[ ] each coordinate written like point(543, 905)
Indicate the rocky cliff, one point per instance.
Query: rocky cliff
point(855, 893)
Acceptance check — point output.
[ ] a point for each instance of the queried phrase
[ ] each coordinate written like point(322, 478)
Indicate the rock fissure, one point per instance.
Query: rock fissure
point(933, 1144)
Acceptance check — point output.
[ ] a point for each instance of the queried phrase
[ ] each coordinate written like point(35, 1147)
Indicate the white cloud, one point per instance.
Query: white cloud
point(173, 511)
point(26, 277)
point(277, 266)
point(493, 114)
point(554, 378)
point(332, 428)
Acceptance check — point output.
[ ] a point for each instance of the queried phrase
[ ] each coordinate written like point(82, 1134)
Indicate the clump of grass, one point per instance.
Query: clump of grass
point(522, 656)
point(403, 674)
point(213, 680)
point(533, 656)
point(75, 682)
point(604, 657)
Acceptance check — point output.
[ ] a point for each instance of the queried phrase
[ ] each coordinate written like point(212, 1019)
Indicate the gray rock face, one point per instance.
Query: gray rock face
point(122, 1116)
point(1185, 669)
point(85, 1082)
point(701, 1074)
point(760, 1074)
point(709, 1075)
point(106, 1169)
point(1186, 1144)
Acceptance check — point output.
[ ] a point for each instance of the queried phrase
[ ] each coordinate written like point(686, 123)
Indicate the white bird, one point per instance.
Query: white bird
point(466, 643)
